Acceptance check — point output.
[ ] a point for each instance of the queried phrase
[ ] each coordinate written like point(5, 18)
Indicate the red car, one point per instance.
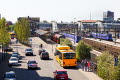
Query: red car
point(60, 75)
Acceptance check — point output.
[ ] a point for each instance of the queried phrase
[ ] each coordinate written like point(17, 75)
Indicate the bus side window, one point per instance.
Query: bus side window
point(60, 56)
point(56, 52)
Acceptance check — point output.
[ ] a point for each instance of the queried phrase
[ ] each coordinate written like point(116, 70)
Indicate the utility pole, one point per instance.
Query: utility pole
point(74, 35)
point(115, 34)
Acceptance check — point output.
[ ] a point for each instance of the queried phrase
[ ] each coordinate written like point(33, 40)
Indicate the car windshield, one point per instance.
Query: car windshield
point(61, 72)
point(69, 55)
point(28, 49)
point(13, 59)
point(32, 62)
point(45, 53)
point(9, 76)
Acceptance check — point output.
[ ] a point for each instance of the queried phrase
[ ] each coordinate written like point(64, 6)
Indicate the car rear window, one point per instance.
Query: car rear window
point(31, 62)
point(10, 76)
point(15, 55)
point(28, 49)
point(45, 53)
point(13, 59)
point(61, 72)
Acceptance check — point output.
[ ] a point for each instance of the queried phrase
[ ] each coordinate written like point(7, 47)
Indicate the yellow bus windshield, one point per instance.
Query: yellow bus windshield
point(69, 56)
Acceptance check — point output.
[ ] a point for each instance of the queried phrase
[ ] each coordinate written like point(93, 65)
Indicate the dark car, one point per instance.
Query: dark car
point(9, 49)
point(9, 76)
point(29, 51)
point(32, 64)
point(60, 75)
point(44, 55)
point(41, 50)
point(16, 53)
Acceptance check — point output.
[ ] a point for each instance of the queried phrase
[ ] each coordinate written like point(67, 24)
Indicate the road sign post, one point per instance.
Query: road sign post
point(31, 42)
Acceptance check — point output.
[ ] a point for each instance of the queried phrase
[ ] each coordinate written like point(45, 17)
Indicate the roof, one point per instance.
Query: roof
point(62, 47)
point(41, 32)
point(67, 51)
point(88, 21)
point(60, 70)
point(11, 72)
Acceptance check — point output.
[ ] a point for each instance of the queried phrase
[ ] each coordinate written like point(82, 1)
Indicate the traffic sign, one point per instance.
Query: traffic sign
point(30, 39)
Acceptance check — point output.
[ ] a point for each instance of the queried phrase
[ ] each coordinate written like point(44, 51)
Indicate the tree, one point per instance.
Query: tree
point(105, 67)
point(4, 35)
point(22, 30)
point(62, 40)
point(83, 50)
point(67, 42)
point(11, 27)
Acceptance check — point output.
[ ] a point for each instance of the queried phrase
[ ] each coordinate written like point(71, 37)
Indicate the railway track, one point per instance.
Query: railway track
point(103, 46)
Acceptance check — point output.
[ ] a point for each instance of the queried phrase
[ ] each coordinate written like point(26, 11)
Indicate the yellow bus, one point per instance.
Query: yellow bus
point(12, 34)
point(65, 56)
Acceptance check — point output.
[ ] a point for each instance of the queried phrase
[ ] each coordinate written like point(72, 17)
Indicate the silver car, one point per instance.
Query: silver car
point(9, 76)
point(28, 51)
point(13, 61)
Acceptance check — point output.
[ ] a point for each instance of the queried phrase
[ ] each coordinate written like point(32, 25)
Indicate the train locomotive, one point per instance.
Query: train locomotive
point(56, 37)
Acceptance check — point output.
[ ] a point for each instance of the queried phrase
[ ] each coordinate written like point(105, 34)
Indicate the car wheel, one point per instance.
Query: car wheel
point(41, 58)
point(54, 78)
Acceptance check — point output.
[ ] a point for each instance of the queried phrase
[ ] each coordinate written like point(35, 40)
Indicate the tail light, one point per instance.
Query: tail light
point(63, 62)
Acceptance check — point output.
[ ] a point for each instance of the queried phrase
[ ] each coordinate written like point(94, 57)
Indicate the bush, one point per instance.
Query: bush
point(83, 50)
point(67, 42)
point(62, 40)
point(106, 68)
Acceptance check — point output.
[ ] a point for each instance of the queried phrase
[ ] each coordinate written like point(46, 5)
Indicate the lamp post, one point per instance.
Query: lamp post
point(74, 30)
point(115, 35)
point(115, 32)
point(74, 35)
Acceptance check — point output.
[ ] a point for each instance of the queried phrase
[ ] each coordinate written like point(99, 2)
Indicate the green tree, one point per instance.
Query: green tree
point(83, 50)
point(67, 42)
point(4, 35)
point(11, 27)
point(22, 30)
point(62, 40)
point(105, 67)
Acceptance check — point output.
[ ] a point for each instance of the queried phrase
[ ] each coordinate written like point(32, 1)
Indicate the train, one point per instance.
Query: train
point(56, 37)
point(72, 37)
point(103, 36)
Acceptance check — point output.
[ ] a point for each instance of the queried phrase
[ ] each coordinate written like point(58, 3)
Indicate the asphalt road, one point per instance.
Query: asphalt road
point(45, 67)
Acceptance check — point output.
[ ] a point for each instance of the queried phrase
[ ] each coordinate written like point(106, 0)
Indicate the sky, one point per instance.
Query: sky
point(58, 10)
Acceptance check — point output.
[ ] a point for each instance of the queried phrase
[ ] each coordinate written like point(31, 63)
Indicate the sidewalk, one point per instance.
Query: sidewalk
point(4, 65)
point(90, 75)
